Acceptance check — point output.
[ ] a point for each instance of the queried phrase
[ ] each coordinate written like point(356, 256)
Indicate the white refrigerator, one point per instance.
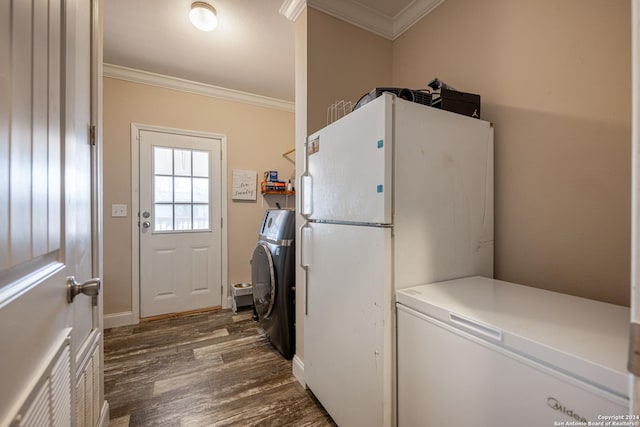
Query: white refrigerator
point(395, 194)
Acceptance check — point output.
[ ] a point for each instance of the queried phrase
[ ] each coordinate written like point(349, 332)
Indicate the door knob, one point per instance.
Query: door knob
point(146, 224)
point(90, 288)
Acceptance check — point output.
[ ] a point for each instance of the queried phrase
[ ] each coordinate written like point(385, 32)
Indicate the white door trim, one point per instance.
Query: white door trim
point(135, 208)
point(634, 382)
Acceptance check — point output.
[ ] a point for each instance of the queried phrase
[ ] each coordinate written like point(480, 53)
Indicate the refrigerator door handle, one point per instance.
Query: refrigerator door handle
point(306, 187)
point(305, 184)
point(305, 234)
point(305, 258)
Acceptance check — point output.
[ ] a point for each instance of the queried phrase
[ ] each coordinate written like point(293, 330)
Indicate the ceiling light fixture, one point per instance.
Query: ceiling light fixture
point(203, 16)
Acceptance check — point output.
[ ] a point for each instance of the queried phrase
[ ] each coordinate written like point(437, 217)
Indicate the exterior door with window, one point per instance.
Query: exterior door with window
point(180, 222)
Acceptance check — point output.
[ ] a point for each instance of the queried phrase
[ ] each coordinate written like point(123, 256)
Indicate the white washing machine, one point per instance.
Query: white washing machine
point(482, 352)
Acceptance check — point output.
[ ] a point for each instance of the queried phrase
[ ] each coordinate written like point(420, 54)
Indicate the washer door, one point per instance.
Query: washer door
point(263, 280)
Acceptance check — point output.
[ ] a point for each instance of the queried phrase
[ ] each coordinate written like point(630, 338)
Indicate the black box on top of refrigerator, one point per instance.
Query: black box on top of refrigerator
point(458, 102)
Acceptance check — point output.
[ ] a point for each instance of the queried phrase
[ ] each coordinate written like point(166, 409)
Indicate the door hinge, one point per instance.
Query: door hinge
point(633, 365)
point(221, 222)
point(92, 135)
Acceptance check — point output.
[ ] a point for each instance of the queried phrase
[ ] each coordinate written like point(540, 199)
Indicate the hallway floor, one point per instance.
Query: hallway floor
point(207, 369)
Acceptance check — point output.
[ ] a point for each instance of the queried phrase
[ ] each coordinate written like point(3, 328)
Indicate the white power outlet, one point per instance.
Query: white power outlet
point(118, 210)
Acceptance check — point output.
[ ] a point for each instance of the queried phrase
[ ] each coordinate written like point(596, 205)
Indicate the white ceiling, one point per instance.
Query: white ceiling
point(251, 51)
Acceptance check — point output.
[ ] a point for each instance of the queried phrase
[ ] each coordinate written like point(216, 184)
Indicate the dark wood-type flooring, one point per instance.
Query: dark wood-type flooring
point(207, 369)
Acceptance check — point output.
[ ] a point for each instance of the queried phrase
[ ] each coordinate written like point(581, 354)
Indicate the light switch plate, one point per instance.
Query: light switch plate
point(118, 210)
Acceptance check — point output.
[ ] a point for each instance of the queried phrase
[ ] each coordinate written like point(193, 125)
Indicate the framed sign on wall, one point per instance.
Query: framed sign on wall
point(244, 185)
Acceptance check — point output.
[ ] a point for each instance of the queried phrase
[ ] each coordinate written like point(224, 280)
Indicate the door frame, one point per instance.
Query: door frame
point(634, 382)
point(96, 140)
point(135, 208)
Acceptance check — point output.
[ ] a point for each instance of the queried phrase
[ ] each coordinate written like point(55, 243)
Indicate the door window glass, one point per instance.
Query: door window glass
point(200, 217)
point(164, 217)
point(182, 162)
point(182, 217)
point(162, 160)
point(183, 190)
point(163, 189)
point(181, 196)
point(200, 190)
point(201, 164)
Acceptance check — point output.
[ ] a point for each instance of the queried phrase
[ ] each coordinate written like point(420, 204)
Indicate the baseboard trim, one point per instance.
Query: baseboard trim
point(298, 370)
point(119, 319)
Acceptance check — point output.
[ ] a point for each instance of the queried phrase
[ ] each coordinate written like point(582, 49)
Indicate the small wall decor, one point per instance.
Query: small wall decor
point(244, 185)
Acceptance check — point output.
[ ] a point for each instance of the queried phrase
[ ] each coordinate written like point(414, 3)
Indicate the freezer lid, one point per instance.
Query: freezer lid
point(348, 176)
point(584, 338)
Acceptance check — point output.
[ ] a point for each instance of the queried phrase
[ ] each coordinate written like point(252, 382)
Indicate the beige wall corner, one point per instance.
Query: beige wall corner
point(343, 63)
point(555, 81)
point(256, 138)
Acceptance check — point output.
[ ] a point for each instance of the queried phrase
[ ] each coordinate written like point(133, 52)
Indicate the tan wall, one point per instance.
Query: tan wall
point(555, 80)
point(343, 63)
point(256, 138)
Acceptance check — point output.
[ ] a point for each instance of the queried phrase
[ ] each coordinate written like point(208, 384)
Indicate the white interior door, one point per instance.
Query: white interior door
point(180, 222)
point(51, 355)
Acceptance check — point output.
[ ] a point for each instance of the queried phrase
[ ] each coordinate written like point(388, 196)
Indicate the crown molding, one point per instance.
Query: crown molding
point(292, 9)
point(355, 13)
point(412, 14)
point(167, 82)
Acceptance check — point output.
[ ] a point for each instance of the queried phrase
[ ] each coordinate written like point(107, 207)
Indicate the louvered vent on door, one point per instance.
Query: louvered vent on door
point(49, 404)
point(88, 387)
point(38, 413)
point(60, 383)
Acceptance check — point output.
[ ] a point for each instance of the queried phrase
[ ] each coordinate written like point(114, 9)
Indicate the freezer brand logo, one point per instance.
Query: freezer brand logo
point(554, 404)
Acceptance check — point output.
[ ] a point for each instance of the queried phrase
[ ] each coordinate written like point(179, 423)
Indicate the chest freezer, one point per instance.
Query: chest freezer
point(483, 352)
